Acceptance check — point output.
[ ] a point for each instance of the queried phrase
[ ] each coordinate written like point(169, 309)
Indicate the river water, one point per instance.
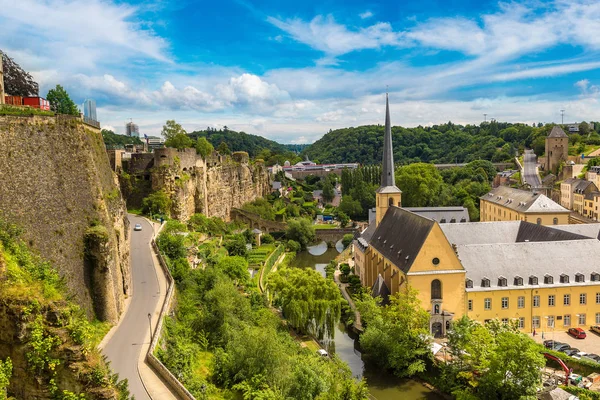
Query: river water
point(382, 386)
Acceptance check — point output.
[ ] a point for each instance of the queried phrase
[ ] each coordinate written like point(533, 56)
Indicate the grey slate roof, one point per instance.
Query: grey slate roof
point(508, 232)
point(523, 200)
point(381, 289)
point(400, 236)
point(581, 186)
point(589, 230)
point(442, 214)
point(525, 259)
point(557, 132)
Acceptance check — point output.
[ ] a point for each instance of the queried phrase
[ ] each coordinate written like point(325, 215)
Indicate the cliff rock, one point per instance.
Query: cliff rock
point(213, 186)
point(56, 184)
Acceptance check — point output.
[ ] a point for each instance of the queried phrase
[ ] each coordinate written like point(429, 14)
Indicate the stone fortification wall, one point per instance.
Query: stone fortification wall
point(58, 186)
point(213, 187)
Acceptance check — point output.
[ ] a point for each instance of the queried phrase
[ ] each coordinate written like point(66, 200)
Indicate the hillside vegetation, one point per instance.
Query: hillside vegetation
point(447, 143)
point(46, 340)
point(239, 141)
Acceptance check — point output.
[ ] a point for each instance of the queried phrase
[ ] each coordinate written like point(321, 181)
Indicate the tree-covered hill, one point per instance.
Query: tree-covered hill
point(112, 139)
point(239, 141)
point(448, 143)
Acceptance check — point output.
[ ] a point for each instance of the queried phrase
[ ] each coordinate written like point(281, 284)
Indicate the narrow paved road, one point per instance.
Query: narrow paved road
point(123, 348)
point(530, 175)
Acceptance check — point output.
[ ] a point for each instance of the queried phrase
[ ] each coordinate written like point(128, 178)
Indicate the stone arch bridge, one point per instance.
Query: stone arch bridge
point(255, 221)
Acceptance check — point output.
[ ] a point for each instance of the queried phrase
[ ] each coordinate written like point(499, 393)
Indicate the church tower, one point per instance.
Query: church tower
point(388, 193)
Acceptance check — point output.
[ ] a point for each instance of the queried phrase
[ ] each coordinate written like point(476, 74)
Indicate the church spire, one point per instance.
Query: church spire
point(387, 174)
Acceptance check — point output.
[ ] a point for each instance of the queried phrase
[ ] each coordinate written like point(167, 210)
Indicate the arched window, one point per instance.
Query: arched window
point(555, 221)
point(391, 202)
point(436, 289)
point(539, 221)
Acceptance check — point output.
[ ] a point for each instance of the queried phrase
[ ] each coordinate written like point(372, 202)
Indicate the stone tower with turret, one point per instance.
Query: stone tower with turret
point(1, 80)
point(388, 193)
point(557, 149)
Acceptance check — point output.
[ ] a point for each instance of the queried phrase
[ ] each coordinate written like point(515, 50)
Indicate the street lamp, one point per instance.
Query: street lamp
point(150, 323)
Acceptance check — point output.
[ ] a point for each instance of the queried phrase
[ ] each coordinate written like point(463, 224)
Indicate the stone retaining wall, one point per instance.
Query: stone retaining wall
point(154, 362)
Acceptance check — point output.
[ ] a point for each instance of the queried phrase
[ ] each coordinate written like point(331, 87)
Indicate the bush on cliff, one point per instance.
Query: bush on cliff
point(157, 203)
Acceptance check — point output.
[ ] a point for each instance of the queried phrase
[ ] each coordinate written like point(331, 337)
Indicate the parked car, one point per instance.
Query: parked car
point(595, 329)
point(592, 357)
point(138, 227)
point(570, 352)
point(577, 333)
point(579, 355)
point(558, 346)
point(549, 343)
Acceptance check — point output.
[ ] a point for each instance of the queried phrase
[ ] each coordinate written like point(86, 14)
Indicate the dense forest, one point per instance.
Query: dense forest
point(238, 141)
point(447, 143)
point(112, 139)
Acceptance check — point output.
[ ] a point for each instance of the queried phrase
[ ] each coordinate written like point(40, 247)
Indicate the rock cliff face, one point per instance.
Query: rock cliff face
point(212, 187)
point(57, 185)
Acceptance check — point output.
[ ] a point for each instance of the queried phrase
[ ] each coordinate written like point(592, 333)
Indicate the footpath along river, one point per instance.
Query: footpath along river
point(382, 386)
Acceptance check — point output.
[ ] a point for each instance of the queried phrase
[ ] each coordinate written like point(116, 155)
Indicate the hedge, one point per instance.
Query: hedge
point(581, 392)
point(581, 366)
point(270, 261)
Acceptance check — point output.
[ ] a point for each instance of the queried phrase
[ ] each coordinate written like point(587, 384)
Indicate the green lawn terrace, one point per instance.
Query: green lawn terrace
point(258, 255)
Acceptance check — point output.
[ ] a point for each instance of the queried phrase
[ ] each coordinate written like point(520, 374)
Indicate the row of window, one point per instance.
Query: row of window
point(535, 321)
point(533, 280)
point(504, 302)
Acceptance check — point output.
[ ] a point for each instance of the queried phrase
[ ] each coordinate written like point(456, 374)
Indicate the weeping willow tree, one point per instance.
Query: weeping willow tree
point(310, 303)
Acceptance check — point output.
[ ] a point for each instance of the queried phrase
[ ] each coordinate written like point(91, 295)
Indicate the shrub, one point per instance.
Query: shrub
point(267, 238)
point(348, 238)
point(292, 245)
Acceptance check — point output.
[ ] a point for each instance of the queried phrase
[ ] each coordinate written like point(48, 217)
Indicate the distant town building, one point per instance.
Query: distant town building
point(154, 142)
point(507, 204)
point(132, 129)
point(89, 109)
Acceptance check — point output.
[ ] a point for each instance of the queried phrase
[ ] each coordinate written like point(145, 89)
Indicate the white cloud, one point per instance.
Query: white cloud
point(326, 35)
point(366, 14)
point(587, 89)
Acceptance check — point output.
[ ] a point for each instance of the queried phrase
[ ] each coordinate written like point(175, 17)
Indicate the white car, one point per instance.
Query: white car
point(322, 353)
point(137, 227)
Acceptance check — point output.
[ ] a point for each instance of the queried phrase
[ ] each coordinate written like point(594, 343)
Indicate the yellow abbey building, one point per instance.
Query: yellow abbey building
point(543, 277)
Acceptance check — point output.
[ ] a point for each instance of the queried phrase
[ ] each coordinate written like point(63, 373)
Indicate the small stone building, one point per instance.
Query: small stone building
point(557, 149)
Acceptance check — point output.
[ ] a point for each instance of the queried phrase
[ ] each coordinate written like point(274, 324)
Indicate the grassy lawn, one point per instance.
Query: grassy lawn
point(326, 226)
point(258, 255)
point(309, 343)
point(589, 148)
point(7, 109)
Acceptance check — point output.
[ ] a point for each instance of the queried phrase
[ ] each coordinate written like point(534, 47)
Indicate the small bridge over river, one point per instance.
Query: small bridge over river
point(256, 221)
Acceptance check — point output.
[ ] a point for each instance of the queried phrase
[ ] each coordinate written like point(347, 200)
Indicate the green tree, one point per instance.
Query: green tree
point(235, 267)
point(236, 246)
point(310, 303)
point(157, 203)
point(514, 368)
point(343, 218)
point(179, 141)
point(5, 374)
point(347, 239)
point(293, 246)
point(328, 193)
point(301, 230)
point(203, 147)
point(420, 184)
point(172, 245)
point(223, 149)
point(60, 102)
point(350, 207)
point(171, 129)
point(396, 334)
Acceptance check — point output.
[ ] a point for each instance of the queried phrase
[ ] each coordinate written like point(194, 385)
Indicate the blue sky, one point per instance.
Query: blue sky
point(290, 71)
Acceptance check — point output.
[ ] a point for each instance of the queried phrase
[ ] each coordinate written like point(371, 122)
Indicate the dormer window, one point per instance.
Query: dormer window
point(564, 278)
point(595, 277)
point(518, 281)
point(502, 281)
point(548, 280)
point(533, 280)
point(579, 278)
point(485, 282)
point(469, 284)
